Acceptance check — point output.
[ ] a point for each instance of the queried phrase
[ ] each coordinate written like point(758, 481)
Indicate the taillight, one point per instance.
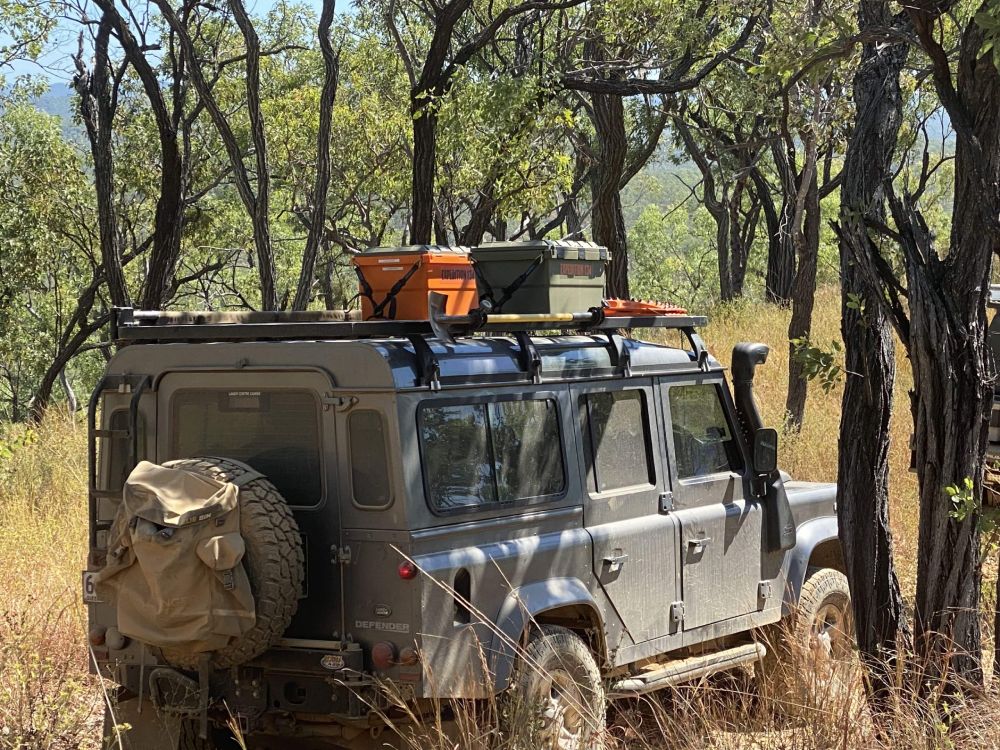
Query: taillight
point(383, 655)
point(408, 656)
point(407, 570)
point(97, 635)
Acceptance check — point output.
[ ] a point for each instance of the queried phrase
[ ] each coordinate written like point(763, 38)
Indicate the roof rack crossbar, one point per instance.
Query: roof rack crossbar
point(129, 325)
point(428, 367)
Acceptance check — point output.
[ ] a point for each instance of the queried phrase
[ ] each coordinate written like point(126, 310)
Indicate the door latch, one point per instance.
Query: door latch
point(698, 545)
point(340, 555)
point(615, 561)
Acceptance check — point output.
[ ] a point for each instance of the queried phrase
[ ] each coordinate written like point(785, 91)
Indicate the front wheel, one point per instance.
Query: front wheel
point(811, 656)
point(556, 700)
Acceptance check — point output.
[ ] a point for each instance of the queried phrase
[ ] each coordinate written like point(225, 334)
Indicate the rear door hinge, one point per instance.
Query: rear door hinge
point(764, 592)
point(340, 555)
point(677, 613)
point(666, 502)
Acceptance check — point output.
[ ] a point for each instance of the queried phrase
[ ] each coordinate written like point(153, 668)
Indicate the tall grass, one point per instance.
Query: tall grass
point(48, 699)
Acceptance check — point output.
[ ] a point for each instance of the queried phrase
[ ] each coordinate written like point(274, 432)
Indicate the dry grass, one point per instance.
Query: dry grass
point(812, 454)
point(48, 700)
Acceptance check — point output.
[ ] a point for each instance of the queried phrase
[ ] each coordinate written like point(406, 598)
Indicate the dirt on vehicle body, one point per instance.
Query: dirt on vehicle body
point(449, 511)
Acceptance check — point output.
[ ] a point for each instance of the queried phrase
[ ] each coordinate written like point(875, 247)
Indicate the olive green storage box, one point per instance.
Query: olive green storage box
point(540, 276)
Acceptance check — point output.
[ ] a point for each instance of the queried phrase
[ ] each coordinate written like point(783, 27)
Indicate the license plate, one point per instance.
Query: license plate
point(90, 588)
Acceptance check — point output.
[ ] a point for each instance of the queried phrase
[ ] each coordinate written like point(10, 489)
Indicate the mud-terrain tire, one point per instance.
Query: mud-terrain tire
point(274, 562)
point(218, 738)
point(556, 696)
point(812, 652)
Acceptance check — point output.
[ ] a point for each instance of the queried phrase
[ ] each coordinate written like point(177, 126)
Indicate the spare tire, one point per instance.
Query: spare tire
point(274, 561)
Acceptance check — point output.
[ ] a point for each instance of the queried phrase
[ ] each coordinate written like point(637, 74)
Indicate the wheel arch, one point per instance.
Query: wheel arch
point(557, 601)
point(817, 545)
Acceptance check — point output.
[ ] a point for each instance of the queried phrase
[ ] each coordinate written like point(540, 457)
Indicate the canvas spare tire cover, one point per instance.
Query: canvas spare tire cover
point(204, 557)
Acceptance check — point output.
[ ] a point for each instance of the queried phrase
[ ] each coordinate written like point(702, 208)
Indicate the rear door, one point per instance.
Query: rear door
point(280, 424)
point(634, 543)
point(723, 556)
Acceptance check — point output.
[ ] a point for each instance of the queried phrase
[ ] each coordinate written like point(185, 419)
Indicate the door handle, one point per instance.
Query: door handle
point(615, 562)
point(700, 543)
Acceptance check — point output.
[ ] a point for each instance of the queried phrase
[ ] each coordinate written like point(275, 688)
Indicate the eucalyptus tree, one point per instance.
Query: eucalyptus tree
point(870, 362)
point(648, 51)
point(937, 304)
point(436, 42)
point(48, 254)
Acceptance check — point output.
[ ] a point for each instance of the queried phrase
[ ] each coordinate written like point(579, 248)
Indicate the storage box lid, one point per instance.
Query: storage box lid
point(446, 253)
point(528, 250)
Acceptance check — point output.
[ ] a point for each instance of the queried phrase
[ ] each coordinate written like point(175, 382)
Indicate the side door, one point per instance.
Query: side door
point(725, 566)
point(279, 424)
point(634, 543)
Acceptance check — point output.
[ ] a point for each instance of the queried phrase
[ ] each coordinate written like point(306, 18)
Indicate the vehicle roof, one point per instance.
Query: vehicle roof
point(395, 364)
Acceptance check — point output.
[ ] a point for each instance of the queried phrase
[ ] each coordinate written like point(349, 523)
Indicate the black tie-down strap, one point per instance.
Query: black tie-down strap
point(390, 298)
point(507, 292)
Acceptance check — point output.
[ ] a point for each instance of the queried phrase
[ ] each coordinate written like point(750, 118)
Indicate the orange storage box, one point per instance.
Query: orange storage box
point(394, 281)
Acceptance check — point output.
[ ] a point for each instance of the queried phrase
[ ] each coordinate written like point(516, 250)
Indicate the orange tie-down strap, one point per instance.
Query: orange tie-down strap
point(632, 307)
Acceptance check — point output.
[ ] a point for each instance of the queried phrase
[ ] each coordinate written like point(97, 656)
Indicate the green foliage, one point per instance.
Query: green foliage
point(821, 365)
point(963, 499)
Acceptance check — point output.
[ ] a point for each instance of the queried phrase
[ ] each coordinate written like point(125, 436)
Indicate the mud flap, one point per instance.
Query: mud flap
point(140, 727)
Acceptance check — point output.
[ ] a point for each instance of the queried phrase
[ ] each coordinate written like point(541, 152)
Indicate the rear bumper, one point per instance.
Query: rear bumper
point(301, 699)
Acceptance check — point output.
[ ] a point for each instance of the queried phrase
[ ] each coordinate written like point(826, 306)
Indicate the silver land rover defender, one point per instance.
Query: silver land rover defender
point(297, 519)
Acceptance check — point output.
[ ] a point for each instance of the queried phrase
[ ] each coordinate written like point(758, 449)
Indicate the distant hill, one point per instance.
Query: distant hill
point(59, 100)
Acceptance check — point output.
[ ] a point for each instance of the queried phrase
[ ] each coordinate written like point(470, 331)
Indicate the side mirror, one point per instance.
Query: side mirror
point(765, 450)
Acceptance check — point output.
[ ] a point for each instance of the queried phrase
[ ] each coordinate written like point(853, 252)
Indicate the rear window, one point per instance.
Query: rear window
point(276, 432)
point(487, 454)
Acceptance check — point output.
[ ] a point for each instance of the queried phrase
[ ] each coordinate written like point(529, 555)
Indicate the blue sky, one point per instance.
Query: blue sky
point(56, 63)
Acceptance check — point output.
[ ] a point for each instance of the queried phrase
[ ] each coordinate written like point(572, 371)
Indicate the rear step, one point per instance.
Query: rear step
point(682, 670)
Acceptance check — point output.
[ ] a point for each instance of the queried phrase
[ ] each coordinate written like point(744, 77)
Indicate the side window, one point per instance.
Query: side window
point(457, 466)
point(527, 454)
point(369, 464)
point(703, 438)
point(483, 454)
point(619, 439)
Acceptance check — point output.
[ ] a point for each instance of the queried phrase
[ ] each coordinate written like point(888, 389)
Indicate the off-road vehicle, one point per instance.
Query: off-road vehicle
point(297, 520)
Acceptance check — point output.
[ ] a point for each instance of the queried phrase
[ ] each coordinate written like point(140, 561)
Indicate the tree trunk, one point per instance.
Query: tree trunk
point(738, 244)
point(722, 229)
point(606, 206)
point(424, 163)
point(952, 366)
point(327, 98)
point(97, 116)
point(260, 215)
point(168, 221)
point(803, 301)
point(951, 404)
point(777, 283)
point(69, 346)
point(863, 463)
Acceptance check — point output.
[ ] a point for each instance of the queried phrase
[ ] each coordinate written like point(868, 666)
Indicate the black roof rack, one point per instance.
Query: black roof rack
point(128, 325)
